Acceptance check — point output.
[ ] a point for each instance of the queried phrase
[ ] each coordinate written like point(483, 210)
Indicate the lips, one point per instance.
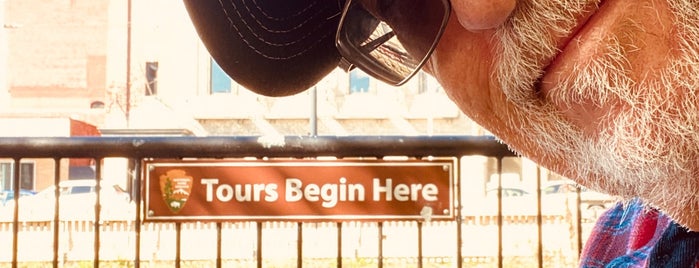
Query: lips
point(584, 20)
point(580, 46)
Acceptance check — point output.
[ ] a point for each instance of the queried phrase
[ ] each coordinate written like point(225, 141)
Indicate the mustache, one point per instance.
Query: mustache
point(529, 41)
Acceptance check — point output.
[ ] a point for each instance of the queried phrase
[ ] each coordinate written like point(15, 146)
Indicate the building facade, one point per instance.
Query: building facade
point(138, 68)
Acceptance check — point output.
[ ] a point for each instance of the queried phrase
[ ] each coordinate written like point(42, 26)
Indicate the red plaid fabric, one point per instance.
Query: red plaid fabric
point(624, 236)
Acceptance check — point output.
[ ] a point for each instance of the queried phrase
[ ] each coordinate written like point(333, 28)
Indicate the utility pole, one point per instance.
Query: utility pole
point(127, 111)
point(4, 58)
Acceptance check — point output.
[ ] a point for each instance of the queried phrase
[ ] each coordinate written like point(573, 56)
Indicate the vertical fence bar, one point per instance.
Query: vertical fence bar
point(380, 227)
point(178, 244)
point(339, 244)
point(56, 207)
point(459, 217)
point(98, 208)
point(500, 216)
point(419, 244)
point(259, 244)
point(136, 173)
point(219, 226)
point(539, 220)
point(578, 202)
point(299, 244)
point(15, 213)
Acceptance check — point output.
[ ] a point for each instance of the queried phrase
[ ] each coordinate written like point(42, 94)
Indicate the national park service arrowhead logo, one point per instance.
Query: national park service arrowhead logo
point(175, 186)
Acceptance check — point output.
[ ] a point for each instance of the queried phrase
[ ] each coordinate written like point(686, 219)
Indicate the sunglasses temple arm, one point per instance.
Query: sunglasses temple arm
point(371, 46)
point(345, 65)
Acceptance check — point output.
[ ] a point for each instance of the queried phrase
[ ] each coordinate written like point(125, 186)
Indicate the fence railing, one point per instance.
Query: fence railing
point(137, 237)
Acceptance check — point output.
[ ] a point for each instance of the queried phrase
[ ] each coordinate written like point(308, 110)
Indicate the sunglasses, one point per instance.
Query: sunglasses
point(390, 40)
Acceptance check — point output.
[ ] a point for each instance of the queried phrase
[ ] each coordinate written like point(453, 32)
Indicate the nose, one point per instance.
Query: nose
point(477, 15)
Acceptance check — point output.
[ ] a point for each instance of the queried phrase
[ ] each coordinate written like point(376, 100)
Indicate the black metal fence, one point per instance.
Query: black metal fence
point(136, 149)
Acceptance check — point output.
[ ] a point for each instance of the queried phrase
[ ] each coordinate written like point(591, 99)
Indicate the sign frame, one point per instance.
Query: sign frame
point(153, 211)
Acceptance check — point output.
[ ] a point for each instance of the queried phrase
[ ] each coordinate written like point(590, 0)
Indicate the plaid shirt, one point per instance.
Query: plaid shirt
point(631, 235)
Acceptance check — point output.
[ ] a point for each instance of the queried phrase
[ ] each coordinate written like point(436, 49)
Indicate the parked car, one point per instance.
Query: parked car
point(592, 203)
point(8, 195)
point(77, 202)
point(515, 201)
point(506, 192)
point(558, 198)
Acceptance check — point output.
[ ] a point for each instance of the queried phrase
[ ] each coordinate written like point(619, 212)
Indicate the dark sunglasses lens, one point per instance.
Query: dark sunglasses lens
point(391, 39)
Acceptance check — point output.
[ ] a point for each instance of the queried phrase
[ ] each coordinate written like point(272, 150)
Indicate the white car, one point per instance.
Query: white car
point(592, 203)
point(558, 197)
point(77, 202)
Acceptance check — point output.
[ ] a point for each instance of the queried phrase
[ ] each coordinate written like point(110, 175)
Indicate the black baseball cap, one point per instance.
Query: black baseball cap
point(272, 47)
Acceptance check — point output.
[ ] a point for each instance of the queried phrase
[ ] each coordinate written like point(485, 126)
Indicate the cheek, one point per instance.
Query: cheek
point(462, 65)
point(462, 59)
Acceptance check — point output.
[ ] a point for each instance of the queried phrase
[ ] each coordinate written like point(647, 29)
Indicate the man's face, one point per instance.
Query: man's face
point(602, 91)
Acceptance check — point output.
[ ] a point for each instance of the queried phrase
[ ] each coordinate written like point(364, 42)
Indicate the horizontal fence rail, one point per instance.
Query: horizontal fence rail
point(289, 146)
point(141, 235)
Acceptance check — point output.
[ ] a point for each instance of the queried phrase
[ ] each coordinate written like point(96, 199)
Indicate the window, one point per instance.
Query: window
point(82, 189)
point(97, 105)
point(359, 81)
point(26, 176)
point(6, 176)
point(220, 81)
point(421, 82)
point(151, 78)
point(426, 83)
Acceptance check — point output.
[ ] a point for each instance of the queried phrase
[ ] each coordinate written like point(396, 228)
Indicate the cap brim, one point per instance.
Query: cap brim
point(274, 48)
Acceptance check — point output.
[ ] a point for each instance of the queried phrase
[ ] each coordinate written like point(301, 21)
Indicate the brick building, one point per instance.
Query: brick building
point(56, 60)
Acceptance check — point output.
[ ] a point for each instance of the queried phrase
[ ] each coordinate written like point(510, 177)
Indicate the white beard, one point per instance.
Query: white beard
point(650, 148)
